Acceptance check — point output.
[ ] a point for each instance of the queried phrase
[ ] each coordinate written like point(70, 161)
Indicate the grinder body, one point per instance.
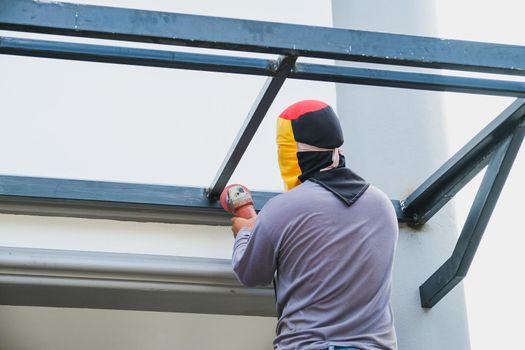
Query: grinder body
point(237, 200)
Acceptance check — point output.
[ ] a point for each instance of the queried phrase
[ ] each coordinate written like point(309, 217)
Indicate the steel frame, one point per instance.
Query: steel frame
point(452, 176)
point(495, 146)
point(113, 200)
point(456, 267)
point(258, 36)
point(257, 66)
point(251, 124)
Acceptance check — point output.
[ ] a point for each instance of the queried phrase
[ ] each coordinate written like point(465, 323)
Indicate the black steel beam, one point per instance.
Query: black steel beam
point(407, 80)
point(452, 176)
point(256, 66)
point(112, 200)
point(257, 36)
point(119, 281)
point(136, 56)
point(118, 201)
point(251, 124)
point(456, 267)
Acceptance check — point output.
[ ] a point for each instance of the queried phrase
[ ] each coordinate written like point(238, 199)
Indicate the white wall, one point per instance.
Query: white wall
point(131, 124)
point(493, 286)
point(394, 138)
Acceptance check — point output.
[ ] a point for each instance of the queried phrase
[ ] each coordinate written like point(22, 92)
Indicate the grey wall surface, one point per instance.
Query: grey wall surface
point(396, 139)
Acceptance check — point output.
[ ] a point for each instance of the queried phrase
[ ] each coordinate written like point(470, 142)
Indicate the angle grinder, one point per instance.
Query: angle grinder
point(237, 200)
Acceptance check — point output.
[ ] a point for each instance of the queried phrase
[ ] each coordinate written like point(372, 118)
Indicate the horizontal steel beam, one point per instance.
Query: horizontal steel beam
point(97, 280)
point(452, 176)
point(457, 266)
point(257, 36)
point(407, 80)
point(118, 201)
point(257, 66)
point(113, 200)
point(136, 56)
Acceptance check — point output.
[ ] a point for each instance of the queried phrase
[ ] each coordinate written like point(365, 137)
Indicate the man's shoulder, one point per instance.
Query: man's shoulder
point(374, 193)
point(292, 198)
point(375, 201)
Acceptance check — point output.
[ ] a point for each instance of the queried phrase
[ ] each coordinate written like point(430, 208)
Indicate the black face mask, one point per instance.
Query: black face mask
point(341, 181)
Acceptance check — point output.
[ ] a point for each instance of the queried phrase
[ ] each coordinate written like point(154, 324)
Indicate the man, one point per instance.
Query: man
point(329, 241)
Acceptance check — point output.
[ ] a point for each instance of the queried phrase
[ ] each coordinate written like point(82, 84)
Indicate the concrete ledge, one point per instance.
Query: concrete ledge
point(97, 280)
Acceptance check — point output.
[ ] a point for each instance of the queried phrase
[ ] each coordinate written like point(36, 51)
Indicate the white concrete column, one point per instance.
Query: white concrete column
point(395, 138)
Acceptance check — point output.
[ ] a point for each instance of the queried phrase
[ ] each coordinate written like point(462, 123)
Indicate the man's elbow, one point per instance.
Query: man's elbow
point(250, 278)
point(247, 282)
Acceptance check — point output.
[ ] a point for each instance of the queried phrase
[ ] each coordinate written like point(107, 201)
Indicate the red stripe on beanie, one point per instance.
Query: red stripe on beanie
point(302, 107)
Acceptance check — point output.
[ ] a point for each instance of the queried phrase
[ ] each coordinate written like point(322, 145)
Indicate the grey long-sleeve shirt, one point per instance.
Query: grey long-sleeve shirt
point(333, 263)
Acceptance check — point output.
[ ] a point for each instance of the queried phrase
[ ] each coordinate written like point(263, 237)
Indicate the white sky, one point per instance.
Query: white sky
point(494, 285)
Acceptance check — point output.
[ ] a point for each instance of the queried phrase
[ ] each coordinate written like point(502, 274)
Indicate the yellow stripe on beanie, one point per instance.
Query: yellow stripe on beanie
point(287, 154)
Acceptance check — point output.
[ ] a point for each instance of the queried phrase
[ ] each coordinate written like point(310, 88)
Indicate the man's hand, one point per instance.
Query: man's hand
point(238, 223)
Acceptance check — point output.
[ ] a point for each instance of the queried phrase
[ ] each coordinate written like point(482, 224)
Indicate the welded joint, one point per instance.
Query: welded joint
point(273, 65)
point(401, 217)
point(206, 195)
point(283, 65)
point(282, 68)
point(415, 220)
point(411, 218)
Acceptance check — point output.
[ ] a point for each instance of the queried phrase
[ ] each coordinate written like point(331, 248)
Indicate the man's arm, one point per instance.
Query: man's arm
point(254, 254)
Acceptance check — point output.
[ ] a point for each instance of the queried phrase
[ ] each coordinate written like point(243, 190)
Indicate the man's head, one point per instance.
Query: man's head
point(308, 135)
